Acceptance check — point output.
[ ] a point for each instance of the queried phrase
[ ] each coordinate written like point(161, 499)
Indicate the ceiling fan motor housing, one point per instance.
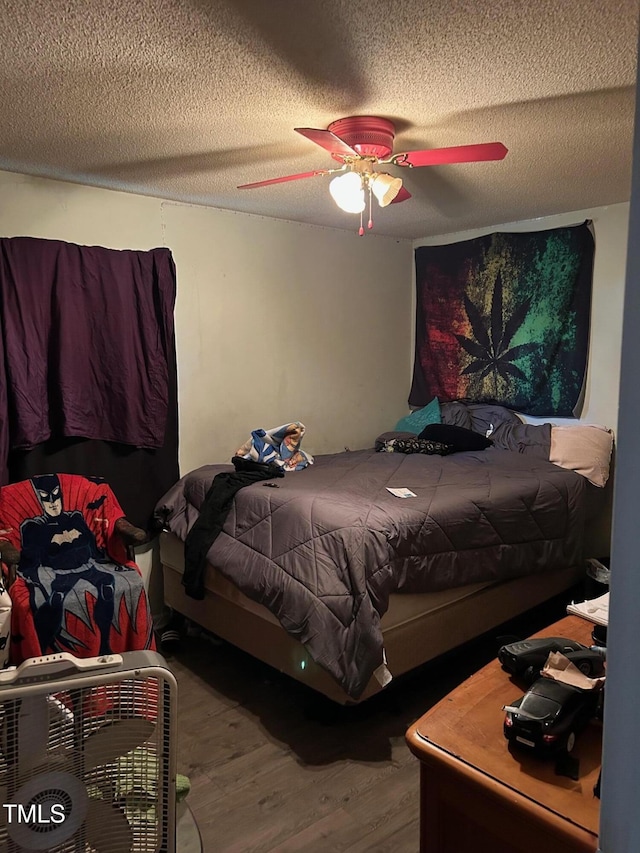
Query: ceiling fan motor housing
point(370, 136)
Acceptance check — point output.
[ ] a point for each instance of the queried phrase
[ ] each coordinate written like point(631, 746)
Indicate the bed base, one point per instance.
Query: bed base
point(417, 628)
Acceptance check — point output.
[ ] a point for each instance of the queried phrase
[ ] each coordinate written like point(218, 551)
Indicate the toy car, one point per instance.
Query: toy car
point(526, 658)
point(550, 715)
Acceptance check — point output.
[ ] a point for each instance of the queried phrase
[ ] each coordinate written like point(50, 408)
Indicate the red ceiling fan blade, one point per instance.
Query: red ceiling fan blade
point(283, 180)
point(455, 154)
point(327, 140)
point(403, 195)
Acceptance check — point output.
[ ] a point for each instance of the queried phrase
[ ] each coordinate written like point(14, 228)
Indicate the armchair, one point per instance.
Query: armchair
point(67, 557)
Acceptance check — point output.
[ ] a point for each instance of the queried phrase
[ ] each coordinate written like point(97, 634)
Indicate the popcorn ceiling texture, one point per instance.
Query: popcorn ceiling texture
point(186, 99)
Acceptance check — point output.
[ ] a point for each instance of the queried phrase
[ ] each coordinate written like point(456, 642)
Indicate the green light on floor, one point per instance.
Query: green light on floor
point(303, 664)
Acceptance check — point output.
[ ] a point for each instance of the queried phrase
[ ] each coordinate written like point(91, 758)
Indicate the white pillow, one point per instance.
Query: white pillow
point(584, 448)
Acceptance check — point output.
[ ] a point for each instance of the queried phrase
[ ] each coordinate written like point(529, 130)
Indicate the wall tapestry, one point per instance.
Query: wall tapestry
point(504, 319)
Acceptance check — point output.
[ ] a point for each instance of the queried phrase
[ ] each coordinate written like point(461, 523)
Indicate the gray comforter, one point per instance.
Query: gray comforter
point(325, 549)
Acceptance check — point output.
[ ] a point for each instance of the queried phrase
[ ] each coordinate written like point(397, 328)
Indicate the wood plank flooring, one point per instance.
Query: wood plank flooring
point(276, 767)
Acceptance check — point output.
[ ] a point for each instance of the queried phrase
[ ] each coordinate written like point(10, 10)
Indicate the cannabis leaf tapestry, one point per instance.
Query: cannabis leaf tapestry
point(504, 319)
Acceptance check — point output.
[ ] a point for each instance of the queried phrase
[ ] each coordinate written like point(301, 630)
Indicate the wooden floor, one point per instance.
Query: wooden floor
point(275, 767)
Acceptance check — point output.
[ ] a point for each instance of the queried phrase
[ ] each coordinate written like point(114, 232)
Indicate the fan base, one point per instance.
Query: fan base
point(370, 136)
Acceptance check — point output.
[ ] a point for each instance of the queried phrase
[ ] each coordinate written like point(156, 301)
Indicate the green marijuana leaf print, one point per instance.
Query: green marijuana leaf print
point(490, 349)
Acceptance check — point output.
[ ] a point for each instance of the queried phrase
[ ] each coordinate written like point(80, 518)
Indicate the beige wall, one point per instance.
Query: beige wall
point(281, 322)
point(275, 321)
point(278, 321)
point(610, 225)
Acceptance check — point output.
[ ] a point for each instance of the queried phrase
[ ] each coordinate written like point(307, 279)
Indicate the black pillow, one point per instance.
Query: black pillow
point(416, 445)
point(459, 438)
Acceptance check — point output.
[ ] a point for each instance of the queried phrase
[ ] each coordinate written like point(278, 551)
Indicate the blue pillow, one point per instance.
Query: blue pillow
point(417, 421)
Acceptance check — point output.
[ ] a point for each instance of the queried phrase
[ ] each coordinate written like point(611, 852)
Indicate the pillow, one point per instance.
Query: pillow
point(416, 445)
point(417, 421)
point(480, 417)
point(487, 417)
point(585, 449)
point(459, 438)
point(455, 413)
point(385, 437)
point(533, 439)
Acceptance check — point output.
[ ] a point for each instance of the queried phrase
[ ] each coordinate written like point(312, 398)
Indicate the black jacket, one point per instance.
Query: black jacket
point(213, 513)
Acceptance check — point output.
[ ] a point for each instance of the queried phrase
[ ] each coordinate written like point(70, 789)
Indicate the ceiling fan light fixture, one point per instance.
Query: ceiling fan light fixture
point(347, 192)
point(385, 187)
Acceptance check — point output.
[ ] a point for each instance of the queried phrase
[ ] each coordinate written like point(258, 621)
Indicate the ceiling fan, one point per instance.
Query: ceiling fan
point(363, 143)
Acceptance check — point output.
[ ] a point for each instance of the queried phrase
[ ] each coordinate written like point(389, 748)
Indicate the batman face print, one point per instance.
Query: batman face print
point(49, 493)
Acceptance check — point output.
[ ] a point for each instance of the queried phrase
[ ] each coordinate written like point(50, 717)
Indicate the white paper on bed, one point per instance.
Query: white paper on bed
point(402, 492)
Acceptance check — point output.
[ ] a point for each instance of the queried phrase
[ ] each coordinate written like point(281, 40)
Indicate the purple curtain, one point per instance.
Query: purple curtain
point(87, 366)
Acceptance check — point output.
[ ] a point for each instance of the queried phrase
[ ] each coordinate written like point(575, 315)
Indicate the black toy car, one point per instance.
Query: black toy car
point(526, 658)
point(550, 715)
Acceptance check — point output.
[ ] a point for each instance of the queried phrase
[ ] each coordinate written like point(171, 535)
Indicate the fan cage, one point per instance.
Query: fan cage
point(104, 751)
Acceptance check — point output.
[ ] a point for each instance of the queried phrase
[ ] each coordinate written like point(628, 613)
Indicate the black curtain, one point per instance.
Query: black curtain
point(138, 477)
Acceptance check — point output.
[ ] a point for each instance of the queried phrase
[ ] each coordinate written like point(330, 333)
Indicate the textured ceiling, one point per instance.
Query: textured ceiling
point(186, 99)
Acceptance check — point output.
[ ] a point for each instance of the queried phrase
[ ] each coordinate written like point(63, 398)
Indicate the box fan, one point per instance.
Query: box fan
point(88, 755)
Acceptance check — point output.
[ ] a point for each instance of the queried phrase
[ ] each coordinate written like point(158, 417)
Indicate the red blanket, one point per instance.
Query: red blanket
point(76, 590)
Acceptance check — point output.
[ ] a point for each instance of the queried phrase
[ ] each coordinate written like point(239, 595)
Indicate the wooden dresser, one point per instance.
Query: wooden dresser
point(477, 794)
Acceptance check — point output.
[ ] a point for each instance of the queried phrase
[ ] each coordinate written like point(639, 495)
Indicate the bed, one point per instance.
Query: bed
point(337, 582)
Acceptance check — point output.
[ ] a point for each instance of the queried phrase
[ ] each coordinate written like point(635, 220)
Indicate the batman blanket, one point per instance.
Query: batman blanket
point(76, 590)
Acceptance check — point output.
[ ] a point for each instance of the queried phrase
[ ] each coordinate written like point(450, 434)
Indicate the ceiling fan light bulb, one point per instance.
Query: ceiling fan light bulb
point(385, 187)
point(347, 192)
